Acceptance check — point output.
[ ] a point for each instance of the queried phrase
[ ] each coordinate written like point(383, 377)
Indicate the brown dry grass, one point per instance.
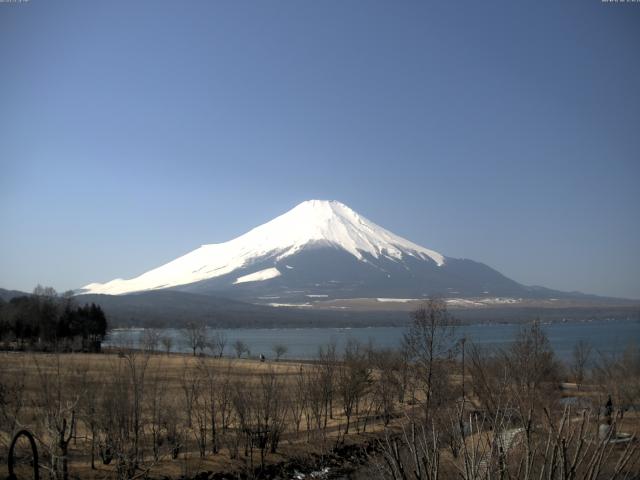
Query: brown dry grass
point(90, 371)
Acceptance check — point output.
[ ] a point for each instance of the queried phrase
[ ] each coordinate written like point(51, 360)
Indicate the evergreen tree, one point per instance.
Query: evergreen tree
point(46, 319)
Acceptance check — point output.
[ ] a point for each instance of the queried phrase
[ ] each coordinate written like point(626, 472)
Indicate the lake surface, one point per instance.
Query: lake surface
point(606, 337)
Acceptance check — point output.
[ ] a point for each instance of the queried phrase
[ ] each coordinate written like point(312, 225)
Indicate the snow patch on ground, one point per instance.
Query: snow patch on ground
point(289, 304)
point(482, 302)
point(501, 300)
point(397, 300)
point(463, 302)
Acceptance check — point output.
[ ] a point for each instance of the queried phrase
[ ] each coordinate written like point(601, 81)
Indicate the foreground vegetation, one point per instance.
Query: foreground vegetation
point(437, 408)
point(509, 420)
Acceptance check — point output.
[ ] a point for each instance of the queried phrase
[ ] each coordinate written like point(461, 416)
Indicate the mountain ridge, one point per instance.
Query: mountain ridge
point(322, 249)
point(313, 222)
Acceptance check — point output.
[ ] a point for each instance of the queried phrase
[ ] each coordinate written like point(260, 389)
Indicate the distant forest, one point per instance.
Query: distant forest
point(48, 321)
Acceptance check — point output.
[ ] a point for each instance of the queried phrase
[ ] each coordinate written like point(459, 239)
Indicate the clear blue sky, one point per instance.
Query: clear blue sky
point(133, 131)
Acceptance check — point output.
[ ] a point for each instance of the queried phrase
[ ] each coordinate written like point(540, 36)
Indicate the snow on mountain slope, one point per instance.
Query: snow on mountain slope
point(314, 222)
point(265, 274)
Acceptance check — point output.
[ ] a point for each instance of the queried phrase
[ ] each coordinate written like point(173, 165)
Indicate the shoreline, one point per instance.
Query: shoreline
point(394, 325)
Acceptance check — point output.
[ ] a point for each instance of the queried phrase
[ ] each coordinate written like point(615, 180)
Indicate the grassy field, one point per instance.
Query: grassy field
point(175, 396)
point(130, 414)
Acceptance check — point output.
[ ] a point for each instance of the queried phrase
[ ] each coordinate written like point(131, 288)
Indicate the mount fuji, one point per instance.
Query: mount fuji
point(320, 251)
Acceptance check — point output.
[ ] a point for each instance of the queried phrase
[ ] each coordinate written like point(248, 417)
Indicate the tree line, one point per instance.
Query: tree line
point(48, 321)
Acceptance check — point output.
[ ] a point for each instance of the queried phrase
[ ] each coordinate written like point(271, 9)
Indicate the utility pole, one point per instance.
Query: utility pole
point(462, 341)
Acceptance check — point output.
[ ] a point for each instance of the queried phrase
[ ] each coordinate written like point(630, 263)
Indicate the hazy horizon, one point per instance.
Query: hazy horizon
point(134, 132)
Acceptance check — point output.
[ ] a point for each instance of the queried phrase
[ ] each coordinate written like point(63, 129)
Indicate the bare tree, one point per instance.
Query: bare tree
point(243, 405)
point(619, 375)
point(279, 349)
point(299, 398)
point(167, 343)
point(317, 388)
point(201, 409)
point(327, 364)
point(135, 368)
point(121, 414)
point(89, 411)
point(240, 348)
point(413, 454)
point(220, 342)
point(175, 433)
point(354, 377)
point(261, 415)
point(190, 385)
point(580, 360)
point(490, 381)
point(386, 384)
point(12, 398)
point(150, 339)
point(157, 409)
point(211, 392)
point(430, 340)
point(532, 369)
point(195, 336)
point(224, 395)
point(518, 434)
point(60, 396)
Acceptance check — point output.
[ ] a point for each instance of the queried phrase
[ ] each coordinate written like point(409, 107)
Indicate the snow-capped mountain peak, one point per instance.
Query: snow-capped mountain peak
point(311, 223)
point(334, 223)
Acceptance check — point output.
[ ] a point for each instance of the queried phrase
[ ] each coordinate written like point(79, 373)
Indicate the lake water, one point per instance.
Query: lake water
point(605, 336)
